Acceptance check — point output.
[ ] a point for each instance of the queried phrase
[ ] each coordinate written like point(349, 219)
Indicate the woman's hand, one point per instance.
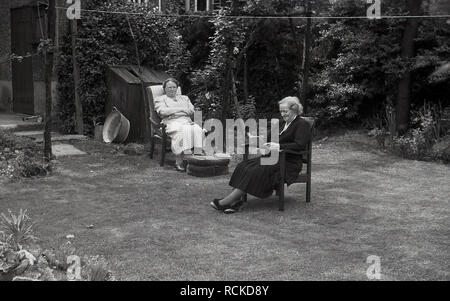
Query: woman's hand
point(187, 111)
point(263, 151)
point(273, 146)
point(180, 112)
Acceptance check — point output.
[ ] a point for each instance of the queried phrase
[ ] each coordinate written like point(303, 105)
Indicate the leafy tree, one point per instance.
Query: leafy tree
point(407, 51)
point(359, 64)
point(258, 51)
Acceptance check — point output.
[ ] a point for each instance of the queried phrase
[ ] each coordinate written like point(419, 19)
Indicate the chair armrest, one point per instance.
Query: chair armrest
point(287, 151)
point(156, 124)
point(282, 159)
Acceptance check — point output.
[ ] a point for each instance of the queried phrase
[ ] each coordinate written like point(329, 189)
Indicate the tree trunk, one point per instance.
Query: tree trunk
point(296, 40)
point(235, 7)
point(234, 94)
point(245, 79)
point(225, 96)
point(233, 63)
point(76, 82)
point(48, 81)
point(407, 51)
point(306, 55)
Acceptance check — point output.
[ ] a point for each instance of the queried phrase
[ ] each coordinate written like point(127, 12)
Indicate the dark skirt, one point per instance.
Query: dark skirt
point(256, 179)
point(260, 180)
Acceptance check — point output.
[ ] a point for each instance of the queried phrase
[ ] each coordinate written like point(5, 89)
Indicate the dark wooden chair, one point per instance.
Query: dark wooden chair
point(303, 177)
point(158, 129)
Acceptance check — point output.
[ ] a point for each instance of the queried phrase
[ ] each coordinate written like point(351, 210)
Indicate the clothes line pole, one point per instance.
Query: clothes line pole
point(79, 125)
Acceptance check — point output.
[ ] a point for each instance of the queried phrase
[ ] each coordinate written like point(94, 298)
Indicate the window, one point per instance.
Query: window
point(206, 5)
point(201, 5)
point(218, 4)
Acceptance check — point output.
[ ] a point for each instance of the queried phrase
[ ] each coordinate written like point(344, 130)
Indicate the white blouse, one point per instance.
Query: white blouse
point(180, 101)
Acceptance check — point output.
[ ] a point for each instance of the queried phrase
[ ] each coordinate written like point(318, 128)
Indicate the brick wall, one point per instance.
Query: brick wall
point(5, 33)
point(19, 3)
point(5, 50)
point(5, 66)
point(5, 38)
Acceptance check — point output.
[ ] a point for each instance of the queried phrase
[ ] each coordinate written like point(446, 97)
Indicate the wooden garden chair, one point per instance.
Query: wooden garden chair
point(303, 177)
point(158, 129)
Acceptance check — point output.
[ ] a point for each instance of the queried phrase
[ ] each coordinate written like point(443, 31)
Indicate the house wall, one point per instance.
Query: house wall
point(5, 66)
point(6, 93)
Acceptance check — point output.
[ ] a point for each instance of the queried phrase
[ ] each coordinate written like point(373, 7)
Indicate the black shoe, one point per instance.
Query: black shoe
point(215, 204)
point(234, 208)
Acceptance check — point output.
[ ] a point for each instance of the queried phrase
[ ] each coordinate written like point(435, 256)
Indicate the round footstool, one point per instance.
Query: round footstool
point(208, 166)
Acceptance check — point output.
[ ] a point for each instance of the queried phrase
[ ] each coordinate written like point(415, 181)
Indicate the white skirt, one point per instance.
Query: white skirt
point(184, 134)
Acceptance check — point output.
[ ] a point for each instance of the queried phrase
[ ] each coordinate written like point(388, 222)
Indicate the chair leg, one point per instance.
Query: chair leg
point(152, 147)
point(163, 152)
point(308, 191)
point(281, 198)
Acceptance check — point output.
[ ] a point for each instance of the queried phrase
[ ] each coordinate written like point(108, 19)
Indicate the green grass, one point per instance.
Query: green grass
point(153, 223)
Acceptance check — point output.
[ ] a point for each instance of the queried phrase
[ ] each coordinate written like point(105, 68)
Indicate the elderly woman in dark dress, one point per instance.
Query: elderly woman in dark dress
point(260, 180)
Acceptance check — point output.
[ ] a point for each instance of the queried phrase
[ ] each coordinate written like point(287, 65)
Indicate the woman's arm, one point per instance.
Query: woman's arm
point(164, 111)
point(190, 108)
point(301, 138)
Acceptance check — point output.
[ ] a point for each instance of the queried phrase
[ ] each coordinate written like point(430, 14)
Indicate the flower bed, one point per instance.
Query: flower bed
point(22, 259)
point(21, 157)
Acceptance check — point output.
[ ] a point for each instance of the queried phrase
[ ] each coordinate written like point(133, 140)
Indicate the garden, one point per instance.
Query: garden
point(241, 67)
point(379, 96)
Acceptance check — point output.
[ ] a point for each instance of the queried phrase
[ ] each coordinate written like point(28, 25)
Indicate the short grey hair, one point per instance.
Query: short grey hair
point(293, 103)
point(170, 79)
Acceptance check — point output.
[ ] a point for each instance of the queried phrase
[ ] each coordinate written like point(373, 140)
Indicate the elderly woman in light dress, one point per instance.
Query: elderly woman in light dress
point(176, 112)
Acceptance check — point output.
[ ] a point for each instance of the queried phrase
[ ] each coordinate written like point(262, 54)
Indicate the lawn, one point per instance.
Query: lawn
point(153, 223)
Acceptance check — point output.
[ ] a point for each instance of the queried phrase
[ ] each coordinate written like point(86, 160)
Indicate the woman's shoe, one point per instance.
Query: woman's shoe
point(234, 208)
point(216, 205)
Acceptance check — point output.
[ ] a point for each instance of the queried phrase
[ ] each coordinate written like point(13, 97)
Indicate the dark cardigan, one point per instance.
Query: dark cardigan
point(260, 180)
point(295, 138)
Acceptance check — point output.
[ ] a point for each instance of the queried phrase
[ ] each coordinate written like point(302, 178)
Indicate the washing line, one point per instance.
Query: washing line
point(257, 17)
point(8, 59)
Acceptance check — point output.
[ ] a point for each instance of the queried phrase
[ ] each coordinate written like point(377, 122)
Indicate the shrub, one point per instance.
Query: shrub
point(415, 145)
point(13, 142)
point(8, 257)
point(247, 109)
point(96, 269)
point(407, 146)
point(424, 139)
point(25, 166)
point(18, 229)
point(441, 150)
point(21, 157)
